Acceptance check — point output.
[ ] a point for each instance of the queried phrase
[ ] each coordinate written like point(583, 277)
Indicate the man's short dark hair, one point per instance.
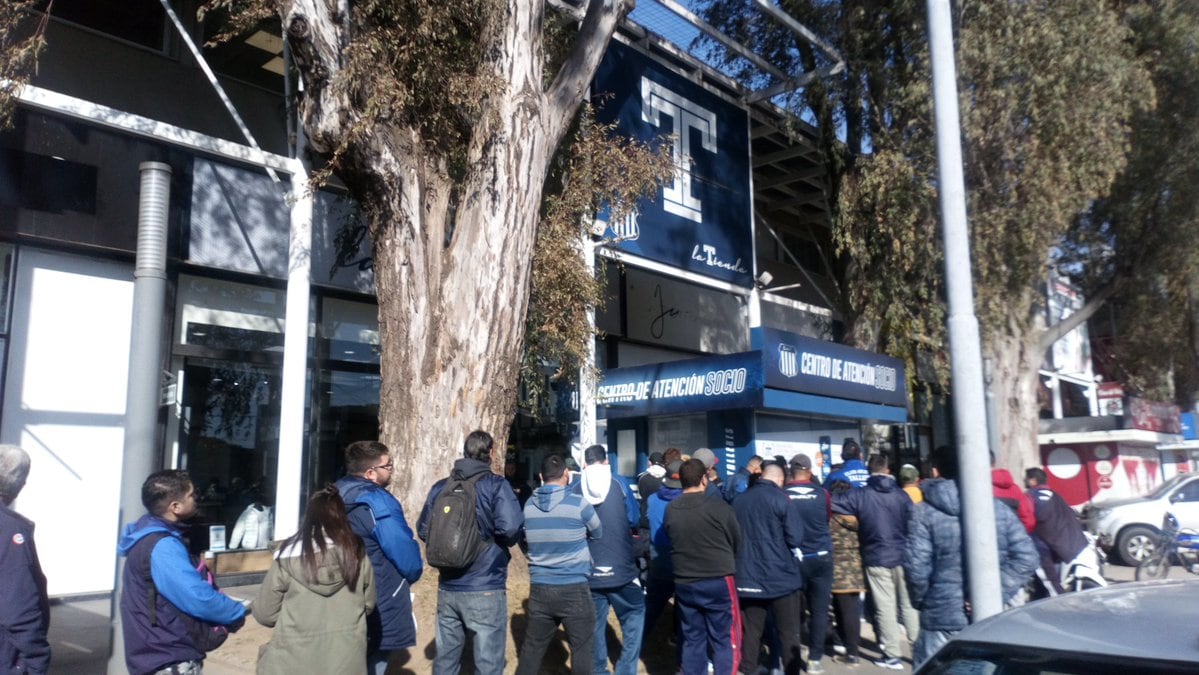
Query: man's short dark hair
point(945, 460)
point(163, 487)
point(594, 454)
point(552, 467)
point(362, 455)
point(1036, 473)
point(850, 450)
point(692, 473)
point(878, 463)
point(478, 445)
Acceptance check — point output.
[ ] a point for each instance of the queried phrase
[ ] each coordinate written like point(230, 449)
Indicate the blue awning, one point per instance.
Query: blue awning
point(791, 401)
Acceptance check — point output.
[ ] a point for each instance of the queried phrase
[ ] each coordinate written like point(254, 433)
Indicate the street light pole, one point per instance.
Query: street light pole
point(970, 414)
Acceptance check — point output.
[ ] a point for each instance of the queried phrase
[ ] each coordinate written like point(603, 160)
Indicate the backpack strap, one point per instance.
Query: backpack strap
point(151, 540)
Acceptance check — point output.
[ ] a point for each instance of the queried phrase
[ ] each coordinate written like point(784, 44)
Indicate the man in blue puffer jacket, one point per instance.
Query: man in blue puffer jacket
point(883, 510)
point(933, 565)
point(476, 599)
point(769, 577)
point(377, 517)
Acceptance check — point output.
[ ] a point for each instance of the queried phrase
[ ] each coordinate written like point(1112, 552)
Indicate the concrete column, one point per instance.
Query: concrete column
point(141, 453)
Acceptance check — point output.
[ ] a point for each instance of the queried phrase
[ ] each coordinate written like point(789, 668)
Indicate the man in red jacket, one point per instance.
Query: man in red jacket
point(1004, 488)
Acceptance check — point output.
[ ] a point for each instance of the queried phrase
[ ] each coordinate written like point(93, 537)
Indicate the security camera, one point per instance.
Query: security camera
point(764, 279)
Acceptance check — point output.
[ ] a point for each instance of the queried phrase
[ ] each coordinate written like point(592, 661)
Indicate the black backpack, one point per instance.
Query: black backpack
point(204, 635)
point(454, 540)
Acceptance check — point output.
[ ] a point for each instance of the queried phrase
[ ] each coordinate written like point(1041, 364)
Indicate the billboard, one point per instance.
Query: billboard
point(701, 221)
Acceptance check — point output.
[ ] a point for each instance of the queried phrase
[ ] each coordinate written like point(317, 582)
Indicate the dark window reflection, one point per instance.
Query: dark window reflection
point(229, 442)
point(348, 411)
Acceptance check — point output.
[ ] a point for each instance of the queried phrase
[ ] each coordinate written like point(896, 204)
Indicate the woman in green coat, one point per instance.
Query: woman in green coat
point(317, 595)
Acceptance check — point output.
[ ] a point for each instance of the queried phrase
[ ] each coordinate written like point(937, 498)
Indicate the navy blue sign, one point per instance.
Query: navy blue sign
point(815, 366)
point(700, 221)
point(693, 385)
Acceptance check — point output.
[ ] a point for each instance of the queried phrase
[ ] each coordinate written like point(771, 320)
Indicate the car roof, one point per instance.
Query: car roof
point(1141, 620)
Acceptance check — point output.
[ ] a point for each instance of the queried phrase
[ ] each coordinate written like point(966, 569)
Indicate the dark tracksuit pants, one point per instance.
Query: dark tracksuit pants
point(711, 620)
point(818, 592)
point(785, 612)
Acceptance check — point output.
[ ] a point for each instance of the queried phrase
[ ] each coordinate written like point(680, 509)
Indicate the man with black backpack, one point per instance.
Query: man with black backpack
point(377, 517)
point(171, 614)
point(471, 554)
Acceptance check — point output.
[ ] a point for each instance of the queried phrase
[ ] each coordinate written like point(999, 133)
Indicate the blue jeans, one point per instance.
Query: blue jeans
point(928, 644)
point(485, 615)
point(629, 603)
point(550, 605)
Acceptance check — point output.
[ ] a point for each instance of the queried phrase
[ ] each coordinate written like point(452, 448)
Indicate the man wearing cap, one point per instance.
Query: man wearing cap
point(614, 574)
point(715, 485)
point(768, 573)
point(660, 586)
point(650, 480)
point(814, 507)
point(705, 537)
point(909, 477)
point(24, 607)
point(852, 471)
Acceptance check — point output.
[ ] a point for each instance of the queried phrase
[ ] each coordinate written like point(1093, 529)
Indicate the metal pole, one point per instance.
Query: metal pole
point(978, 515)
point(295, 352)
point(145, 370)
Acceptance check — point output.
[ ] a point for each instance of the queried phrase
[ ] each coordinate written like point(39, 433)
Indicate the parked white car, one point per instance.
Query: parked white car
point(1128, 528)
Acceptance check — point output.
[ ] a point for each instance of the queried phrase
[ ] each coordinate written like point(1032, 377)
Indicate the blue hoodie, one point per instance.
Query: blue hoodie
point(180, 590)
point(558, 523)
point(883, 510)
point(661, 566)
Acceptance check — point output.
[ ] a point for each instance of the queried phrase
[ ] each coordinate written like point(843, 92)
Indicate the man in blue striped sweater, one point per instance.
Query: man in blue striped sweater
point(558, 524)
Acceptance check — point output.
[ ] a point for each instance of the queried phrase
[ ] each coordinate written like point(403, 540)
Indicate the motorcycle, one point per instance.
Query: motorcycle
point(1083, 572)
point(1172, 543)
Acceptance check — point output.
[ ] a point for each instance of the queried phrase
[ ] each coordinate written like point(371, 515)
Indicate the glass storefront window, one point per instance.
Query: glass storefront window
point(348, 411)
point(350, 330)
point(227, 315)
point(229, 442)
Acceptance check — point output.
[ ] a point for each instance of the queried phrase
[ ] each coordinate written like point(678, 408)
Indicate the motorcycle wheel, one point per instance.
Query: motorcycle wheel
point(1156, 567)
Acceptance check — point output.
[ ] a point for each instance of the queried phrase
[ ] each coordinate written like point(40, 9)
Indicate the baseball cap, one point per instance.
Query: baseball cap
point(655, 458)
point(706, 456)
point(671, 480)
point(801, 461)
point(909, 473)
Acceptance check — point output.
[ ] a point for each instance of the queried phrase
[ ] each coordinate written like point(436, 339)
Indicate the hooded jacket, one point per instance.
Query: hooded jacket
point(500, 521)
point(151, 646)
point(378, 519)
point(933, 566)
point(853, 471)
point(660, 566)
point(613, 560)
point(24, 607)
point(1057, 525)
point(1004, 488)
point(558, 523)
point(883, 509)
point(771, 530)
point(320, 624)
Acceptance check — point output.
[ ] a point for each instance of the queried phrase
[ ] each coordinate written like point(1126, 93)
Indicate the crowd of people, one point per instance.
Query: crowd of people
point(770, 569)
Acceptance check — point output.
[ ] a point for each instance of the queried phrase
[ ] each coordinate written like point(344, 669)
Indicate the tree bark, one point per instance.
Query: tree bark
point(1015, 382)
point(452, 255)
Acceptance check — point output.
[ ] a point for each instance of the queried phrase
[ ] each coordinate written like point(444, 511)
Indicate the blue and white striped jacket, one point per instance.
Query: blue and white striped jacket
point(558, 523)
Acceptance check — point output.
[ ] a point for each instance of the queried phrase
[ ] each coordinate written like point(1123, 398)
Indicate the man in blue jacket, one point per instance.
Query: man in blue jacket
point(614, 574)
point(934, 570)
point(883, 510)
point(852, 470)
point(769, 578)
point(660, 580)
point(24, 607)
point(813, 505)
point(163, 593)
point(377, 517)
point(476, 599)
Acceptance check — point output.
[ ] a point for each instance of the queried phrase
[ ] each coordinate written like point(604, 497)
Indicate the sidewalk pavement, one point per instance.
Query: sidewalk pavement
point(79, 638)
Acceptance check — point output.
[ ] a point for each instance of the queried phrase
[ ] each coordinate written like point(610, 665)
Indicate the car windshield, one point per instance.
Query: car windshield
point(1167, 486)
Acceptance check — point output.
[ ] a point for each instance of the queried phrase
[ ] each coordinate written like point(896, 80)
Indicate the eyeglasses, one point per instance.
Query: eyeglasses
point(387, 466)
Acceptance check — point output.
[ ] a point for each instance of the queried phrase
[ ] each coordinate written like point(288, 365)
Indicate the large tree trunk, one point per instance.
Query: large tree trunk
point(1016, 358)
point(452, 255)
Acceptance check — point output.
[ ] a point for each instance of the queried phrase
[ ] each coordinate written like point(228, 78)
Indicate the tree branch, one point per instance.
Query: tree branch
point(1059, 330)
point(566, 91)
